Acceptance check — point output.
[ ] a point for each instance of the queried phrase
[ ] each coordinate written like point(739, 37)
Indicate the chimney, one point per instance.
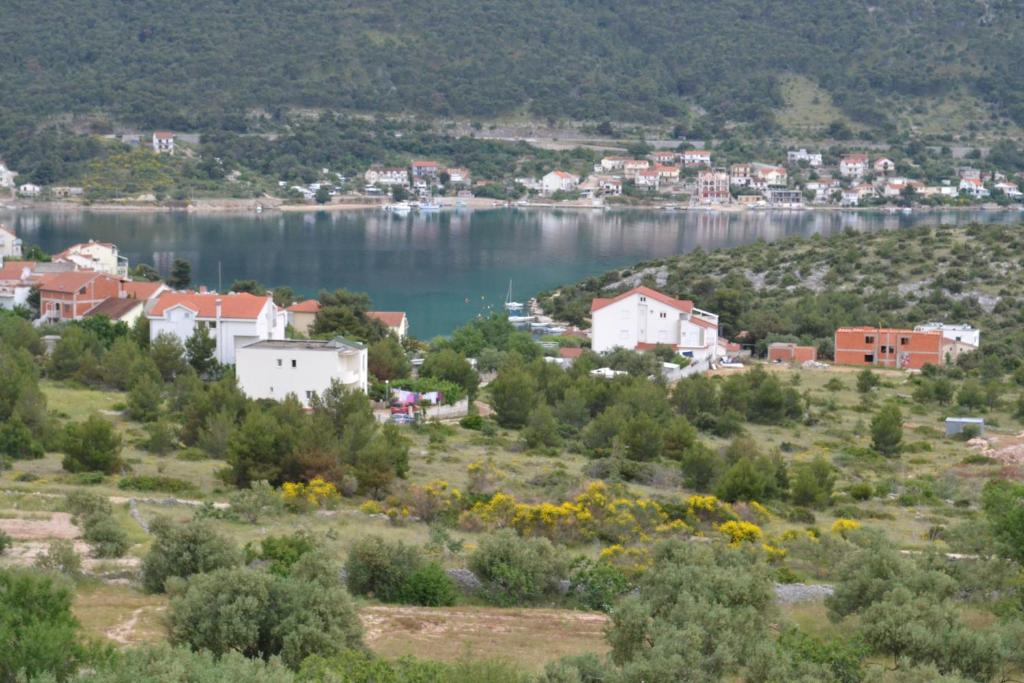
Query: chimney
point(218, 311)
point(202, 290)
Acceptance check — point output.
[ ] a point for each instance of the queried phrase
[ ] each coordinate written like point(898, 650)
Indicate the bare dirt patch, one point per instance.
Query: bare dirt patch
point(38, 528)
point(531, 637)
point(1005, 448)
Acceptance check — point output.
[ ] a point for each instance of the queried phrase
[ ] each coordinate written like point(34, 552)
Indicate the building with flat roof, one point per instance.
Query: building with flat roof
point(304, 367)
point(889, 347)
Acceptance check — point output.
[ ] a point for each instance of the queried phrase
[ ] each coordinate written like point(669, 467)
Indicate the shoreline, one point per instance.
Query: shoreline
point(271, 206)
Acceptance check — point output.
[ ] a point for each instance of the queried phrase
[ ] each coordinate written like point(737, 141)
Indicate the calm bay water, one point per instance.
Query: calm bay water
point(444, 268)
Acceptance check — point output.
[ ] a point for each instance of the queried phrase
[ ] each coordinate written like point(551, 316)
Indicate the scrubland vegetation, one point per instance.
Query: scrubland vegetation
point(169, 524)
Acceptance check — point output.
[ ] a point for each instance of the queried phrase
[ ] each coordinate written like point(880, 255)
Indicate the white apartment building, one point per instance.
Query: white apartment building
point(954, 333)
point(306, 368)
point(642, 318)
point(10, 244)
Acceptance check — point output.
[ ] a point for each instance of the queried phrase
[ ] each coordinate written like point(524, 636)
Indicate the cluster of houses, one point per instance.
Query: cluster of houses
point(91, 279)
point(856, 179)
point(421, 176)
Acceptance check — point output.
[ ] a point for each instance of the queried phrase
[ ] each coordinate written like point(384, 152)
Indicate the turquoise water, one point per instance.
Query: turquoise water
point(442, 269)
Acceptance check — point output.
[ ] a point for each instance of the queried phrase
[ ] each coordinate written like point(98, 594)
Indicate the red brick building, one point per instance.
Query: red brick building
point(888, 347)
point(70, 295)
point(786, 352)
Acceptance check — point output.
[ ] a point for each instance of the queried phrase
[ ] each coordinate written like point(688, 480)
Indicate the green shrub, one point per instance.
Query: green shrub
point(192, 455)
point(284, 551)
point(474, 422)
point(40, 633)
point(60, 558)
point(157, 483)
point(861, 491)
point(800, 515)
point(87, 478)
point(517, 570)
point(91, 446)
point(82, 504)
point(262, 615)
point(181, 550)
point(5, 541)
point(597, 585)
point(106, 536)
point(429, 586)
point(380, 568)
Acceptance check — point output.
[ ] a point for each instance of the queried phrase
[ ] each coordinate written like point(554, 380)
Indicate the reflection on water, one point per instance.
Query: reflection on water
point(441, 268)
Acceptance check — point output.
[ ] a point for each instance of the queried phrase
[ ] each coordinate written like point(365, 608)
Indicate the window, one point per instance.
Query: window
point(643, 299)
point(904, 340)
point(212, 324)
point(310, 394)
point(279, 362)
point(869, 358)
point(295, 363)
point(663, 315)
point(82, 290)
point(869, 340)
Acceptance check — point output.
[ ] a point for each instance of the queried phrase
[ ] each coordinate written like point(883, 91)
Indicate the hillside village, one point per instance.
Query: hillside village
point(672, 178)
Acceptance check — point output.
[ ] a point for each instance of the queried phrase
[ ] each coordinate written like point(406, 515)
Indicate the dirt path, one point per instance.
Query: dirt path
point(121, 633)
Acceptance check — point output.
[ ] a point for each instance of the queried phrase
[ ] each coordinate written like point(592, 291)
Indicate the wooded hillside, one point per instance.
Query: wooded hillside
point(205, 63)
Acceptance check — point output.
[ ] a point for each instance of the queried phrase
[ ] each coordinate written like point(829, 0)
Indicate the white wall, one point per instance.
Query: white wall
point(631, 321)
point(230, 334)
point(276, 372)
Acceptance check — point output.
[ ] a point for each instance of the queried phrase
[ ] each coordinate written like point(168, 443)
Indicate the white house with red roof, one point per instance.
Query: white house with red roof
point(642, 318)
point(853, 165)
point(302, 315)
point(387, 176)
point(425, 169)
point(102, 257)
point(396, 321)
point(163, 142)
point(1010, 189)
point(234, 319)
point(884, 165)
point(559, 181)
point(70, 295)
point(973, 187)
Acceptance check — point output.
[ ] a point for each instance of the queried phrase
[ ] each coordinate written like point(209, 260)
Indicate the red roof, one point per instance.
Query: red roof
point(142, 290)
point(163, 135)
point(681, 304)
point(389, 318)
point(703, 323)
point(115, 309)
point(571, 352)
point(12, 270)
point(68, 282)
point(307, 306)
point(424, 163)
point(240, 305)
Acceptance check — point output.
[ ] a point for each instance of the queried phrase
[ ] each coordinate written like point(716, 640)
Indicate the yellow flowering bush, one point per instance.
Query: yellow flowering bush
point(843, 526)
point(317, 493)
point(371, 507)
point(739, 531)
point(595, 513)
point(773, 552)
point(760, 512)
point(708, 509)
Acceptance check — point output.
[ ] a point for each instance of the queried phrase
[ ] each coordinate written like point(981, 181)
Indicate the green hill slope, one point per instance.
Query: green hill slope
point(204, 63)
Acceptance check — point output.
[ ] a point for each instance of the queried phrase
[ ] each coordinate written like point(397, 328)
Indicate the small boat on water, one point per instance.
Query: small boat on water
point(429, 207)
point(398, 208)
point(515, 309)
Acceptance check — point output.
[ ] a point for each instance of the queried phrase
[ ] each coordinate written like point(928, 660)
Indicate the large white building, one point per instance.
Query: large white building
point(234, 320)
point(642, 318)
point(559, 181)
point(275, 368)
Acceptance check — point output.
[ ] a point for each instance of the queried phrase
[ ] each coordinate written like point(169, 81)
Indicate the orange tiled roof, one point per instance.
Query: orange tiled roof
point(389, 318)
point(240, 306)
point(680, 304)
point(307, 306)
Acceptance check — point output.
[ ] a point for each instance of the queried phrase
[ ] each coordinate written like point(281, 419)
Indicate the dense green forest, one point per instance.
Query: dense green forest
point(207, 64)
